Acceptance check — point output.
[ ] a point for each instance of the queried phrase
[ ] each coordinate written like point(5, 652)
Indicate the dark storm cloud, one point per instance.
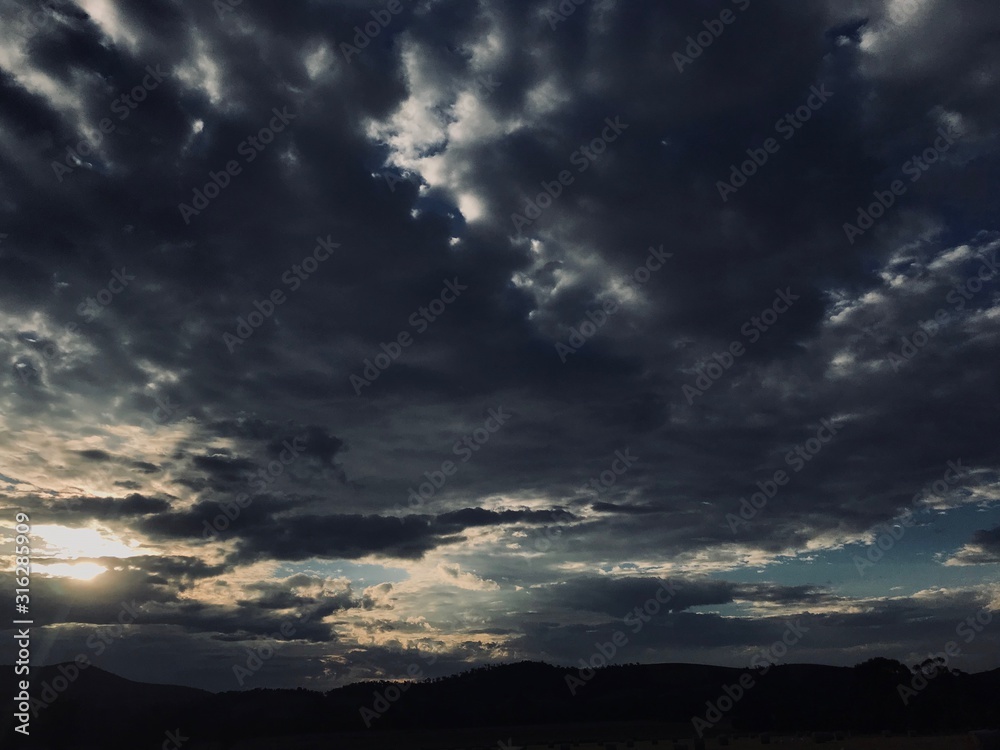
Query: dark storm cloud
point(317, 443)
point(265, 529)
point(988, 539)
point(982, 549)
point(340, 536)
point(75, 511)
point(619, 596)
point(188, 569)
point(270, 527)
point(469, 517)
point(95, 455)
point(116, 305)
point(133, 505)
point(142, 591)
point(905, 629)
point(265, 449)
point(224, 469)
point(602, 507)
point(190, 523)
point(278, 595)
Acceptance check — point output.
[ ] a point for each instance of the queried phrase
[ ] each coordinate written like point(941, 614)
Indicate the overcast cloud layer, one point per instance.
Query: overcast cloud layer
point(383, 284)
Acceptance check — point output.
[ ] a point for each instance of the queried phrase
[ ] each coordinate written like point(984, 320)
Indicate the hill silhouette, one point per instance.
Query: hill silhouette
point(653, 700)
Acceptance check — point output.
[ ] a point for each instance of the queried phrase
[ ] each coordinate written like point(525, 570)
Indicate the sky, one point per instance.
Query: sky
point(450, 332)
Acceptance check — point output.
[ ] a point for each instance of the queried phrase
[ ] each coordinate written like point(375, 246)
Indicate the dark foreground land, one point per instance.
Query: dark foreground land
point(474, 740)
point(529, 706)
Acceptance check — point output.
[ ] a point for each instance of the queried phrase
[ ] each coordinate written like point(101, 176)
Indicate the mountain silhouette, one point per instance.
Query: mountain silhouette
point(526, 701)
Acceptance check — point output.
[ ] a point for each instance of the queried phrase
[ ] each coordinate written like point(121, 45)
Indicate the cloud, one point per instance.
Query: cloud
point(128, 418)
point(983, 549)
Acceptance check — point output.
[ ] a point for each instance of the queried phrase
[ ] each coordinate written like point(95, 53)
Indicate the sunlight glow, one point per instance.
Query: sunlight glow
point(65, 542)
point(79, 571)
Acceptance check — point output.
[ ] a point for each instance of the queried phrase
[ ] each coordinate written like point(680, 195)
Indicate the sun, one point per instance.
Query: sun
point(78, 571)
point(64, 543)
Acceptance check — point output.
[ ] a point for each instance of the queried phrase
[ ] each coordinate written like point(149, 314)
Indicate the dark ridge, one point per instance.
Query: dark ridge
point(654, 701)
